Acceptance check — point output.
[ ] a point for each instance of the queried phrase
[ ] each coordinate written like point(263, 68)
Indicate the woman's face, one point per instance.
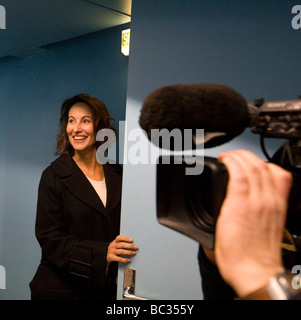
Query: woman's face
point(80, 128)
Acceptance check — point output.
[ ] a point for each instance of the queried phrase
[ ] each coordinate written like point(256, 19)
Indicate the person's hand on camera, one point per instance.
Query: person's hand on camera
point(250, 226)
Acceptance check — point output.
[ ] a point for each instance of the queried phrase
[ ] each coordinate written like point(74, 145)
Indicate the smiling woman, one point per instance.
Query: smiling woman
point(95, 110)
point(78, 212)
point(41, 81)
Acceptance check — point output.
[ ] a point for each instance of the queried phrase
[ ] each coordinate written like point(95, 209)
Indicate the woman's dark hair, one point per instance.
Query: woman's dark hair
point(101, 120)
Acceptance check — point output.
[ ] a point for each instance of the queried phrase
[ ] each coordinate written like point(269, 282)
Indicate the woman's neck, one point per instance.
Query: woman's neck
point(87, 162)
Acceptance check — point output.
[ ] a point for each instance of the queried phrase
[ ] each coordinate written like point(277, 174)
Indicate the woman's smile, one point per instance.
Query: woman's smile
point(78, 138)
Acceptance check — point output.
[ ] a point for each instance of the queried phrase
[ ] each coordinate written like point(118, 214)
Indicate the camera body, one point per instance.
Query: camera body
point(190, 204)
point(276, 119)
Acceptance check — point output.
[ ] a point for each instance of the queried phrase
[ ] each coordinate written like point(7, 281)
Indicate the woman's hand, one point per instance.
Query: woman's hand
point(121, 246)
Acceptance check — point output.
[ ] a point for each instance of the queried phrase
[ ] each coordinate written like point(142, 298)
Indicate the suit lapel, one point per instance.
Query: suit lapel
point(78, 184)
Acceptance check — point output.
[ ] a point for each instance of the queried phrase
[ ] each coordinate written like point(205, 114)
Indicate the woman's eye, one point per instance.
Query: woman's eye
point(71, 121)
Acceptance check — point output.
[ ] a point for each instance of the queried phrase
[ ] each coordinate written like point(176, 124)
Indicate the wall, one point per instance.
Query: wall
point(32, 89)
point(249, 45)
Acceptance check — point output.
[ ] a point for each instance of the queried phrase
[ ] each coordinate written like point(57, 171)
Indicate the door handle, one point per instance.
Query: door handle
point(129, 285)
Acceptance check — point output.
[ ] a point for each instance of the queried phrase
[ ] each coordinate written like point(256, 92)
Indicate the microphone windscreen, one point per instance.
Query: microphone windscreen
point(212, 107)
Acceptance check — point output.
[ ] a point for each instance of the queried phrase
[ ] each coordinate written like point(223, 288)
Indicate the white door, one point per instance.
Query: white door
point(166, 263)
point(194, 41)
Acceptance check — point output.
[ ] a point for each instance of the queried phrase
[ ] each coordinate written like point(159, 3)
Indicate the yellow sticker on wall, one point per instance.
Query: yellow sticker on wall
point(125, 42)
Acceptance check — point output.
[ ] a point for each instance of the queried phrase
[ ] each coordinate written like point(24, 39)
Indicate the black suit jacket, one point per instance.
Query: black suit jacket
point(74, 230)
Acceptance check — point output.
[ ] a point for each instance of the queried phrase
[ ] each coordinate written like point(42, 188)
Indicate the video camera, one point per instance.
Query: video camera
point(190, 204)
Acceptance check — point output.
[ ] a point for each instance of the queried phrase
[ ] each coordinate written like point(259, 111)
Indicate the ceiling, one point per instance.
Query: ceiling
point(32, 24)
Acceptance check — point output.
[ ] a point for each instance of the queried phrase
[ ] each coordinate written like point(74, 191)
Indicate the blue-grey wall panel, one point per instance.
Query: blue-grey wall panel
point(32, 90)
